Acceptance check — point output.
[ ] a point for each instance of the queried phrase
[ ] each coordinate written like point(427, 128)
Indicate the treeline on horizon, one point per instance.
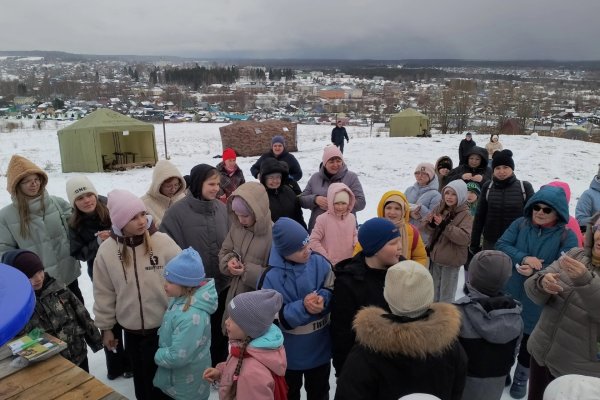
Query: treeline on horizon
point(198, 76)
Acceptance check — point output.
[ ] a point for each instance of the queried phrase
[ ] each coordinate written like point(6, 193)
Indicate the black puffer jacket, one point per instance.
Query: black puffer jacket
point(482, 169)
point(295, 171)
point(283, 202)
point(497, 209)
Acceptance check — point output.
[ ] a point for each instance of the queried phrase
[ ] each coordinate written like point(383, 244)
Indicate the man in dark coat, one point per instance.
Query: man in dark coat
point(338, 134)
point(465, 145)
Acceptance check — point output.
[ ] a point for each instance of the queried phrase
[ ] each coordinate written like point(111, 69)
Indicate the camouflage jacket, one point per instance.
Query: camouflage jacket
point(61, 314)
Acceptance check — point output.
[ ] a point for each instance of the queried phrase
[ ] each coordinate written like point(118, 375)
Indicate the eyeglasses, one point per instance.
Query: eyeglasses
point(35, 181)
point(546, 210)
point(595, 228)
point(171, 186)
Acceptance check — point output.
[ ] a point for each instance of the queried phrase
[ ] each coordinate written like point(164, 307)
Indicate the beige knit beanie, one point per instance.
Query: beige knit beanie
point(408, 289)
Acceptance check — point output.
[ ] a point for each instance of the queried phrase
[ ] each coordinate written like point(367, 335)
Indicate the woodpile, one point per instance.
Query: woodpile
point(250, 138)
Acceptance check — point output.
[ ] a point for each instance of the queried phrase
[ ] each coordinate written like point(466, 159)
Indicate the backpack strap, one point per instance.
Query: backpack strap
point(415, 239)
point(261, 281)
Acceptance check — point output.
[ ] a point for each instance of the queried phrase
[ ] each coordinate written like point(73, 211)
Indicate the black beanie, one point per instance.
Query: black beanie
point(24, 260)
point(503, 157)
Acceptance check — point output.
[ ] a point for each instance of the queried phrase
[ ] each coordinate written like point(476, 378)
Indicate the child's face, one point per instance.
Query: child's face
point(450, 197)
point(37, 280)
point(30, 185)
point(234, 332)
point(86, 203)
point(340, 208)
point(301, 256)
point(211, 187)
point(390, 253)
point(230, 163)
point(246, 220)
point(173, 289)
point(137, 225)
point(471, 197)
point(443, 171)
point(393, 211)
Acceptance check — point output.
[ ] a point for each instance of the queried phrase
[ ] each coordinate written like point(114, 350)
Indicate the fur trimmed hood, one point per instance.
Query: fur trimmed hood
point(18, 168)
point(429, 336)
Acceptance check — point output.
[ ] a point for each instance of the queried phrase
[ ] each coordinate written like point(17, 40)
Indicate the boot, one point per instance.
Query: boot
point(518, 390)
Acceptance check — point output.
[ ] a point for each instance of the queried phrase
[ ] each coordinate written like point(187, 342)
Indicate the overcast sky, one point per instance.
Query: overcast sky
point(347, 29)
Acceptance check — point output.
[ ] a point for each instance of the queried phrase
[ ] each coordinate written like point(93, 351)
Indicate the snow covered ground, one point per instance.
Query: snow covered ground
point(381, 163)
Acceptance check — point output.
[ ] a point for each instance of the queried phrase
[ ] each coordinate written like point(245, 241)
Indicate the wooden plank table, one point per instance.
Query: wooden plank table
point(55, 378)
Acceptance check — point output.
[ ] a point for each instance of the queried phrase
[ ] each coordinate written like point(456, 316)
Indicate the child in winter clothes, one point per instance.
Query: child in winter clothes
point(410, 346)
point(473, 192)
point(305, 281)
point(491, 326)
point(184, 335)
point(232, 175)
point(256, 364)
point(57, 310)
point(423, 195)
point(335, 233)
point(89, 226)
point(167, 187)
point(129, 286)
point(359, 282)
point(450, 225)
point(245, 252)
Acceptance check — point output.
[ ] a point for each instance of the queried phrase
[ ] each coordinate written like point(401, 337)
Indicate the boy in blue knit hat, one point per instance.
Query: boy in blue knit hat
point(184, 335)
point(305, 281)
point(359, 282)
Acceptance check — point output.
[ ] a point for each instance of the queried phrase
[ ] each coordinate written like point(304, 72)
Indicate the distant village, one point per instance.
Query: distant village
point(455, 98)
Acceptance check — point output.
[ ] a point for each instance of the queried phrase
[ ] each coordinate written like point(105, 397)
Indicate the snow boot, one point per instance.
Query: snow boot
point(518, 390)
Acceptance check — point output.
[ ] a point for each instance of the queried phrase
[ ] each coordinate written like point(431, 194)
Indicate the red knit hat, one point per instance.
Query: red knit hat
point(229, 154)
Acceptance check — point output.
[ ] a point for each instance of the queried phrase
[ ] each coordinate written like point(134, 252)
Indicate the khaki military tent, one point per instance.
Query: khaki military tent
point(408, 122)
point(106, 140)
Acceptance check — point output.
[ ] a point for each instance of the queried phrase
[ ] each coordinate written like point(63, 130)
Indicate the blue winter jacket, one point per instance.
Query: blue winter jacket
point(184, 345)
point(589, 203)
point(428, 198)
point(524, 238)
point(307, 339)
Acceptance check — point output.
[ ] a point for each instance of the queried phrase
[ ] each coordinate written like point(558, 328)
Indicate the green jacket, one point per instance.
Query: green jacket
point(49, 235)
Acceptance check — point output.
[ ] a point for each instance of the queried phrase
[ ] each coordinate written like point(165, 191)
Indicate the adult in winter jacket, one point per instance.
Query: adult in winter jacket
point(394, 206)
point(475, 170)
point(338, 134)
point(413, 348)
point(491, 326)
point(463, 148)
point(359, 282)
point(279, 153)
point(493, 146)
point(533, 242)
point(443, 166)
point(200, 221)
point(283, 202)
point(232, 175)
point(573, 225)
point(423, 195)
point(565, 340)
point(167, 187)
point(89, 226)
point(57, 311)
point(332, 169)
point(129, 286)
point(588, 203)
point(244, 254)
point(501, 202)
point(38, 221)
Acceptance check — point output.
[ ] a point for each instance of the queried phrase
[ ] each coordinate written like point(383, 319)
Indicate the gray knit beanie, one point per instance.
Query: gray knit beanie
point(489, 271)
point(254, 312)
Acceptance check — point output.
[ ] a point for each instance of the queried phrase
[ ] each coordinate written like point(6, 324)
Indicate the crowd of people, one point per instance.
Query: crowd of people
point(209, 279)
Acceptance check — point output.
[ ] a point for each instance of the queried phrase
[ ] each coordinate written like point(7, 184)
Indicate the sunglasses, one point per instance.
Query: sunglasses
point(546, 210)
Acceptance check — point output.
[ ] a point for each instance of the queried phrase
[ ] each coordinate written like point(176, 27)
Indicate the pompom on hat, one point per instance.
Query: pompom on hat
point(503, 157)
point(254, 312)
point(123, 206)
point(185, 269)
point(375, 233)
point(77, 186)
point(408, 289)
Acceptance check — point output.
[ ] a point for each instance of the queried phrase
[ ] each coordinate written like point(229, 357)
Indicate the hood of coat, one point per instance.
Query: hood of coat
point(334, 189)
point(271, 166)
point(268, 350)
point(421, 338)
point(164, 170)
point(480, 151)
point(255, 195)
point(460, 188)
point(554, 197)
point(444, 159)
point(564, 186)
point(496, 319)
point(18, 168)
point(397, 196)
point(595, 183)
point(204, 298)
